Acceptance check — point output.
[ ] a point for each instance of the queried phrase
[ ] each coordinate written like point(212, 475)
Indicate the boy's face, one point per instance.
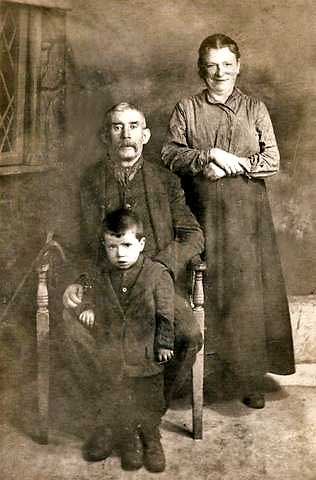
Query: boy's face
point(123, 251)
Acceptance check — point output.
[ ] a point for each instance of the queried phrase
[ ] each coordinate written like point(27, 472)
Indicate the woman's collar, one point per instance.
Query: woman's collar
point(232, 96)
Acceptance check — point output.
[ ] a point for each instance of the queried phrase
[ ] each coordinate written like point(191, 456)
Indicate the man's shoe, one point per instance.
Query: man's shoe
point(254, 400)
point(154, 457)
point(99, 446)
point(132, 451)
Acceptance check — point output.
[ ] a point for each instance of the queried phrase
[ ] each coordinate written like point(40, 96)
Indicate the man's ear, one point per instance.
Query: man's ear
point(146, 135)
point(142, 242)
point(104, 136)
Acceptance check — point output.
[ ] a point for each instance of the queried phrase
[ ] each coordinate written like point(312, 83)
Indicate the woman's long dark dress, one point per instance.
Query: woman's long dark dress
point(247, 315)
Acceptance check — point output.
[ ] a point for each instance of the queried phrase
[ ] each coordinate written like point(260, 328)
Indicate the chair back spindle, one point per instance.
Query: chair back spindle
point(42, 334)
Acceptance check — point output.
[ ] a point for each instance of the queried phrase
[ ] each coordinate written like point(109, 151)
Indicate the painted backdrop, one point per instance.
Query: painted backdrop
point(145, 52)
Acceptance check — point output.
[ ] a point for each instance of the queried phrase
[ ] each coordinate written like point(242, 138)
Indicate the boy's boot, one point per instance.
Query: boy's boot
point(99, 446)
point(131, 449)
point(154, 457)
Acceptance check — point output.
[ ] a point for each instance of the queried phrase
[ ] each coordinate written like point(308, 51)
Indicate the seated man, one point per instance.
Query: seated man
point(173, 236)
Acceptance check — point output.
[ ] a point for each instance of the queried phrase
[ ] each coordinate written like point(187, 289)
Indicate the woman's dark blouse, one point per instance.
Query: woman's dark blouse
point(241, 126)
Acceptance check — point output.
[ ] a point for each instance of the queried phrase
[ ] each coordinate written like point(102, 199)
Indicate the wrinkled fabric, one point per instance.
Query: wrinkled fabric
point(247, 315)
point(241, 126)
point(173, 236)
point(129, 333)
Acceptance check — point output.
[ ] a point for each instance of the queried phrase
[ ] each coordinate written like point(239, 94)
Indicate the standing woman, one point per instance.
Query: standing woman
point(224, 141)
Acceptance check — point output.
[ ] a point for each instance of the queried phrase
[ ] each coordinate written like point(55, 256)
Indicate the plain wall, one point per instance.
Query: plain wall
point(146, 51)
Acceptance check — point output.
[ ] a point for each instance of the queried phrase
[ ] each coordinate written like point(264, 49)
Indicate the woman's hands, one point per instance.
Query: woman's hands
point(227, 162)
point(213, 172)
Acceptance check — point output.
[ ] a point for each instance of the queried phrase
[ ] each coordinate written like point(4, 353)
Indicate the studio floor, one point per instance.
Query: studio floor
point(275, 443)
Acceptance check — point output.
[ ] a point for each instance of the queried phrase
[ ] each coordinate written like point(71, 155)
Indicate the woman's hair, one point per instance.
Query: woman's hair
point(119, 221)
point(216, 41)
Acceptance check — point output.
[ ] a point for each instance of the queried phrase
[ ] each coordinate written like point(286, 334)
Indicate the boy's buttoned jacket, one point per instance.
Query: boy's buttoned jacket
point(128, 337)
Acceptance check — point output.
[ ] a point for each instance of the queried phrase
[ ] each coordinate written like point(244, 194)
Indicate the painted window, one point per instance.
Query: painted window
point(13, 49)
point(32, 84)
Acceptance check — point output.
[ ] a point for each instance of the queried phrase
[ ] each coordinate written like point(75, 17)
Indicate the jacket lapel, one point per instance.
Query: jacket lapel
point(158, 205)
point(144, 278)
point(111, 295)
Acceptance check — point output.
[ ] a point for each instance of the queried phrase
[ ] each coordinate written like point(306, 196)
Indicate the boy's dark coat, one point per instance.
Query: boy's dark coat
point(127, 339)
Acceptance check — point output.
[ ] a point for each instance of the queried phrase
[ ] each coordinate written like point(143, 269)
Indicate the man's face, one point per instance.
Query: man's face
point(222, 68)
point(128, 134)
point(123, 251)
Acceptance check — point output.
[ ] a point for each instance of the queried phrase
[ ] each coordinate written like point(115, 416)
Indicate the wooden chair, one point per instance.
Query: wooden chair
point(43, 350)
point(197, 301)
point(43, 265)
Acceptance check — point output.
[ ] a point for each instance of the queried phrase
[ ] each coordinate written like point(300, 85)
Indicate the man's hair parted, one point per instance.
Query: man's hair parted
point(121, 107)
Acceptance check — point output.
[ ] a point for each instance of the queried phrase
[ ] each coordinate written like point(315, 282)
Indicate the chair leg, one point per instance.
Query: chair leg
point(198, 367)
point(43, 376)
point(197, 395)
point(42, 333)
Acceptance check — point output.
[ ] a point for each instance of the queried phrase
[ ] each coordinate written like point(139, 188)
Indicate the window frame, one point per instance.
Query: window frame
point(15, 157)
point(27, 155)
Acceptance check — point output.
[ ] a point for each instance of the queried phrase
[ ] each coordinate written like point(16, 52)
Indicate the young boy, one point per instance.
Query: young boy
point(129, 311)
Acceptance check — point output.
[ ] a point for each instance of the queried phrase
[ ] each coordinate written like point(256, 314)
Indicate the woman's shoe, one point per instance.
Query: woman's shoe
point(254, 400)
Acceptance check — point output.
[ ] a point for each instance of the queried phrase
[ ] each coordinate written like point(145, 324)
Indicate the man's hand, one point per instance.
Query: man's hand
point(213, 172)
point(87, 318)
point(227, 161)
point(164, 355)
point(73, 295)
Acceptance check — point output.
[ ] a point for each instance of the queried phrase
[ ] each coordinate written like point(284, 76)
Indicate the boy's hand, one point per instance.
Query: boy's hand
point(164, 355)
point(87, 318)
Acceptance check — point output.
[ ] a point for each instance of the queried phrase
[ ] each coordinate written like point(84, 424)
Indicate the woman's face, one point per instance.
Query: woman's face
point(221, 70)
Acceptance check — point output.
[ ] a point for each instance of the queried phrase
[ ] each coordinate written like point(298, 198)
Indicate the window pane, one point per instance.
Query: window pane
point(8, 76)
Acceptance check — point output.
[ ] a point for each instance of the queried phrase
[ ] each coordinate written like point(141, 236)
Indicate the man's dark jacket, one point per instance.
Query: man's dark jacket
point(177, 234)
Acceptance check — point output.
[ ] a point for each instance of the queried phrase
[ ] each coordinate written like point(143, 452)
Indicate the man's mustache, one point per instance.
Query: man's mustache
point(128, 144)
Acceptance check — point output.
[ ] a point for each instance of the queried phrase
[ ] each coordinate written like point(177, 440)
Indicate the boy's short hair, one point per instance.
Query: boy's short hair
point(119, 221)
